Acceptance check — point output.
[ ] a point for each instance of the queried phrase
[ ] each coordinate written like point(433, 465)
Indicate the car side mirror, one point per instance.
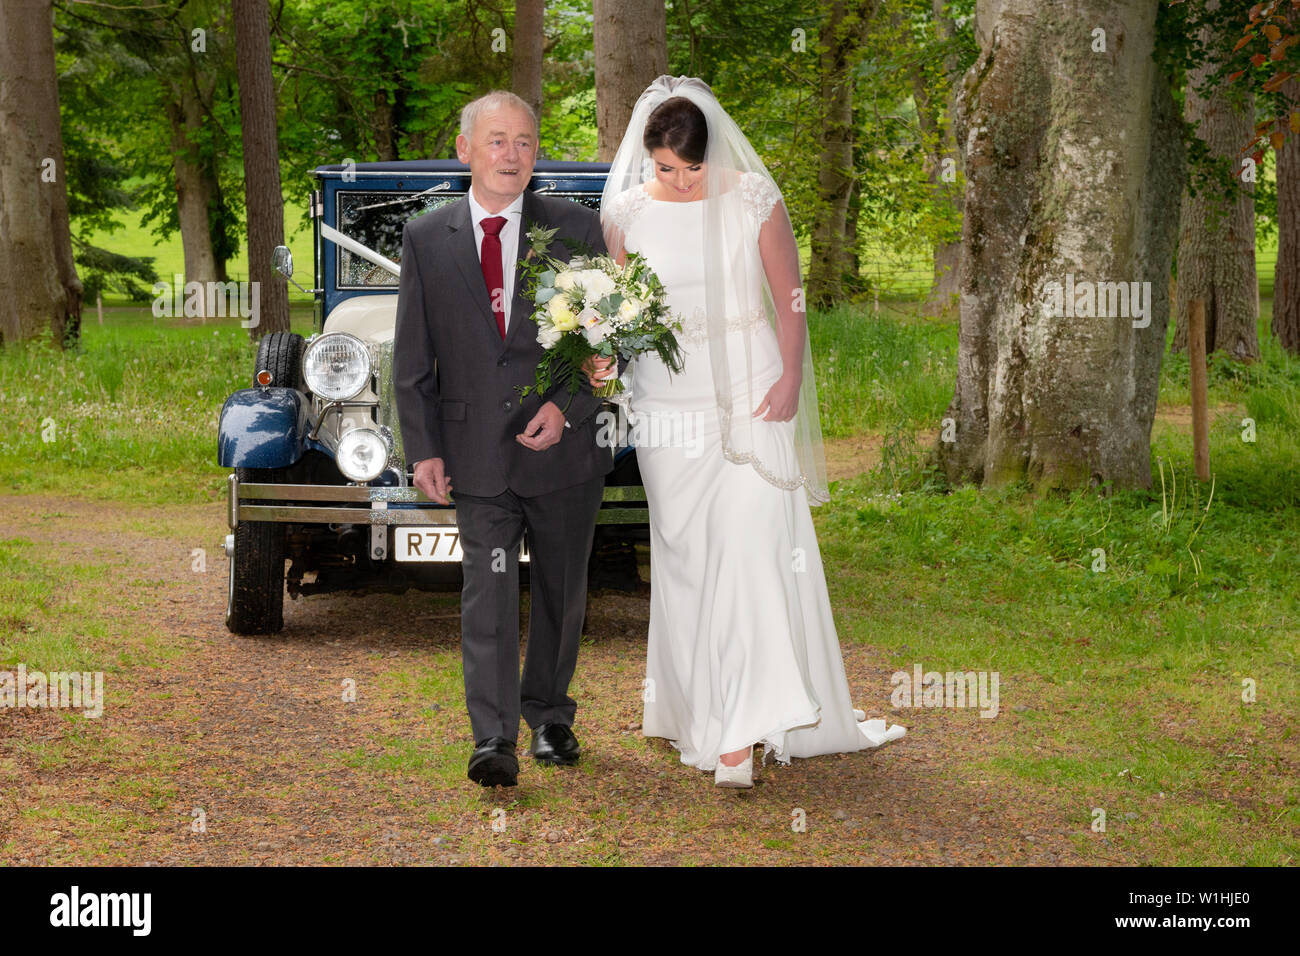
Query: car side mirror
point(282, 261)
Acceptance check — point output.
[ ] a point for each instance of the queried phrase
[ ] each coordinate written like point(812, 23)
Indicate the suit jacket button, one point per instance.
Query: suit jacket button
point(503, 362)
point(505, 406)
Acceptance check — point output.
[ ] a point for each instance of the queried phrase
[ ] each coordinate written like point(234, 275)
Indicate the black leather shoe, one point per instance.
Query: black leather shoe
point(494, 764)
point(555, 744)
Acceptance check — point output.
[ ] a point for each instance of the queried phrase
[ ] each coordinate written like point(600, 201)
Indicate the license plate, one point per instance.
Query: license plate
point(441, 543)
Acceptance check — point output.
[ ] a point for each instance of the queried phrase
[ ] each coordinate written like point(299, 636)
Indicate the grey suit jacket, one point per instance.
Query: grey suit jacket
point(457, 382)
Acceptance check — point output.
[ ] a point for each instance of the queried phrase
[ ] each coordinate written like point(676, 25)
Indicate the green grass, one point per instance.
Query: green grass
point(1128, 680)
point(131, 414)
point(44, 624)
point(1133, 673)
point(877, 371)
point(132, 239)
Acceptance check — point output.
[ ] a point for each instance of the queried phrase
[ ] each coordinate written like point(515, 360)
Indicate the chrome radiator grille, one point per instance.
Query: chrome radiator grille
point(382, 363)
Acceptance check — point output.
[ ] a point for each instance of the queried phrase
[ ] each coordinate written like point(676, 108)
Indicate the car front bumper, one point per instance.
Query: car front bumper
point(362, 504)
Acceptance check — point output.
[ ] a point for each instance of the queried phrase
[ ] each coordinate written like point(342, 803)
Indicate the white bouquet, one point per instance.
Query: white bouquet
point(591, 306)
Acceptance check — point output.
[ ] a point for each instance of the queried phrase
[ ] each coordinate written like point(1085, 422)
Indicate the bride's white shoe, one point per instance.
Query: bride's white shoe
point(741, 775)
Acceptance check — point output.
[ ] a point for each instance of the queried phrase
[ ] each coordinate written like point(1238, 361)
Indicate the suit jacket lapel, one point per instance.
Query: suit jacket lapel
point(464, 252)
point(522, 306)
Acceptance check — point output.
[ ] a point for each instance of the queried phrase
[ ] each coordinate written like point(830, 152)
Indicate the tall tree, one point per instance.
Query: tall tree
point(935, 104)
point(385, 80)
point(630, 43)
point(261, 161)
point(526, 66)
point(39, 288)
point(1286, 282)
point(160, 76)
point(1074, 158)
point(196, 181)
point(832, 266)
point(1216, 243)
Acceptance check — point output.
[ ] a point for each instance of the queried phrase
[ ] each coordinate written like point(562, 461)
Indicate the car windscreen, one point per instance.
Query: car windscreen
point(375, 219)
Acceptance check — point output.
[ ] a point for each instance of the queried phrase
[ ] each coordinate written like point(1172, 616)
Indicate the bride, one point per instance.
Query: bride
point(742, 646)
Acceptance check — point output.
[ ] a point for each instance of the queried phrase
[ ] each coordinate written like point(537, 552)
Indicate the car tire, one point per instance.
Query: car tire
point(280, 353)
point(255, 595)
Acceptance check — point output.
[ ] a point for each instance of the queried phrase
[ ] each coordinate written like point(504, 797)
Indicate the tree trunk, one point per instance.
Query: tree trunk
point(217, 215)
point(830, 270)
point(194, 197)
point(853, 283)
point(944, 286)
point(1216, 242)
point(39, 288)
point(631, 50)
point(1286, 282)
point(1073, 161)
point(384, 119)
point(263, 200)
point(526, 68)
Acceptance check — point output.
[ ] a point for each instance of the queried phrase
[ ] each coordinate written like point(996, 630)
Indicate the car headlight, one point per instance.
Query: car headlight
point(336, 366)
point(362, 454)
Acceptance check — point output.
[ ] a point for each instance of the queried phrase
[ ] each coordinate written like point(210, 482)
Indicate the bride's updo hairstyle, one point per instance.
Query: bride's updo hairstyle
point(678, 125)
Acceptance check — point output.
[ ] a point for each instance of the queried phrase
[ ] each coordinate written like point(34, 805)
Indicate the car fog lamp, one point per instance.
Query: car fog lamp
point(362, 454)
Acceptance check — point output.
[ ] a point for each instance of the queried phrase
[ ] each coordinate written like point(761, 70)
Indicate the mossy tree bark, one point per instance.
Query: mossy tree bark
point(1073, 161)
point(832, 268)
point(1216, 240)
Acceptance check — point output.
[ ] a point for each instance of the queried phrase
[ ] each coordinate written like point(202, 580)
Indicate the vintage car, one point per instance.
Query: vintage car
point(319, 479)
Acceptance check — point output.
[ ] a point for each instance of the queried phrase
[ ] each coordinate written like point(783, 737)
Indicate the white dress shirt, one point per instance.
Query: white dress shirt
point(509, 236)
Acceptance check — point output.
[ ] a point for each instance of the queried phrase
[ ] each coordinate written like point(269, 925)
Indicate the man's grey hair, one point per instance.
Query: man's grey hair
point(490, 101)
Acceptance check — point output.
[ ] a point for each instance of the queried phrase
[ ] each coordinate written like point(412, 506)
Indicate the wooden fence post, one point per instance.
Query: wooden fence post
point(1200, 389)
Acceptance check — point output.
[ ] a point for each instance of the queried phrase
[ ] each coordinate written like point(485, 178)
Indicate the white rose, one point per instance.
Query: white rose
point(596, 285)
point(597, 332)
point(565, 281)
point(630, 309)
point(548, 335)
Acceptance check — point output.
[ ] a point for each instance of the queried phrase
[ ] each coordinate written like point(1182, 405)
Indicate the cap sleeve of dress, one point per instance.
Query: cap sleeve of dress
point(624, 208)
point(760, 195)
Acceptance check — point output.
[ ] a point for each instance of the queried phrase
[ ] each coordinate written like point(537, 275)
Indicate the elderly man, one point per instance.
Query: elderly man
point(464, 344)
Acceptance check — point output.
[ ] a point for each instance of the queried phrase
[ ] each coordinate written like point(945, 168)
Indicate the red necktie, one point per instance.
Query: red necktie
point(490, 260)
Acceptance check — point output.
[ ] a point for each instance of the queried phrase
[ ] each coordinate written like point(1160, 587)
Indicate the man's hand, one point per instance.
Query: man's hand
point(431, 478)
point(597, 368)
point(544, 430)
point(781, 400)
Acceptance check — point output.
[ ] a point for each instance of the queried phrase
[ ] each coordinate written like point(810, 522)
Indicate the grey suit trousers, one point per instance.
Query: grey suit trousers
point(559, 525)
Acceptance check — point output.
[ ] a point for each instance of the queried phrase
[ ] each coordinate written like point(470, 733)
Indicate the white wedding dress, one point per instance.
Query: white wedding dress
point(742, 645)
